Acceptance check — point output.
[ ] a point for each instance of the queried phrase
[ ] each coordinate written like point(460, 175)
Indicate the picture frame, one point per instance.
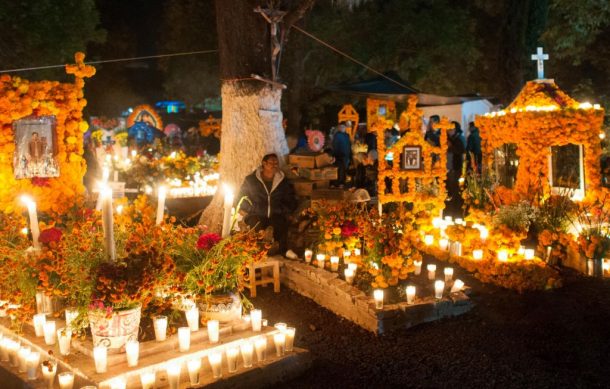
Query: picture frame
point(411, 158)
point(35, 147)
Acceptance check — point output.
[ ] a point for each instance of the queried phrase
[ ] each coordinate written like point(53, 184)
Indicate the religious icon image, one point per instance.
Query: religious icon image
point(35, 148)
point(411, 158)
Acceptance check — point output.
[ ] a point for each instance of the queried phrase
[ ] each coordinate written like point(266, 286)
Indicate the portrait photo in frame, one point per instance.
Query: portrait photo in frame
point(35, 147)
point(411, 158)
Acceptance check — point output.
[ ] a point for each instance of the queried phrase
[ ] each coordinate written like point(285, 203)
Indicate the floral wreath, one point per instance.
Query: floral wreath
point(315, 139)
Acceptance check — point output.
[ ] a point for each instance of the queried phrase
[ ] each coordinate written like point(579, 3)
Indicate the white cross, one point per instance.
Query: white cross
point(540, 57)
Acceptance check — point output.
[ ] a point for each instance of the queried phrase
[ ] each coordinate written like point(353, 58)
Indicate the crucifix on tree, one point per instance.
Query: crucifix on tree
point(274, 17)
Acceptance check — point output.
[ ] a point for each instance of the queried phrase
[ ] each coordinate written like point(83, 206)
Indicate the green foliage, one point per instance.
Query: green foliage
point(518, 216)
point(555, 214)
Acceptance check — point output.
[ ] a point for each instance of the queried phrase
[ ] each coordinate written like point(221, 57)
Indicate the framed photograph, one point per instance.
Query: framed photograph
point(411, 158)
point(35, 147)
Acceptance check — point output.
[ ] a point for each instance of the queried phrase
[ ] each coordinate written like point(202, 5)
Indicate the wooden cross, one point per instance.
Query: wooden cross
point(540, 57)
point(273, 16)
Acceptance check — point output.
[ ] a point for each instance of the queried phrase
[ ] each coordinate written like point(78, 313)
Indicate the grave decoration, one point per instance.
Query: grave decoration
point(349, 114)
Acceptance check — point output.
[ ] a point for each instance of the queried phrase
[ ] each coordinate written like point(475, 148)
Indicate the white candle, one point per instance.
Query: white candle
point(443, 243)
point(100, 356)
point(280, 326)
point(173, 372)
point(256, 316)
point(378, 296)
point(49, 332)
point(352, 266)
point(448, 219)
point(502, 255)
point(308, 254)
point(13, 350)
point(261, 348)
point(280, 343)
point(194, 367)
point(483, 232)
point(147, 379)
point(334, 263)
point(457, 286)
point(357, 252)
point(439, 286)
point(428, 240)
point(232, 353)
point(49, 369)
point(459, 221)
point(436, 222)
point(118, 383)
point(410, 294)
point(349, 275)
point(160, 325)
point(4, 349)
point(22, 357)
point(529, 254)
point(64, 336)
point(477, 254)
point(108, 222)
point(31, 205)
point(431, 271)
point(347, 255)
point(247, 349)
point(448, 271)
point(32, 365)
point(215, 359)
point(320, 258)
point(66, 380)
point(417, 265)
point(290, 332)
point(213, 331)
point(192, 318)
point(184, 339)
point(161, 195)
point(38, 321)
point(71, 315)
point(132, 349)
point(228, 205)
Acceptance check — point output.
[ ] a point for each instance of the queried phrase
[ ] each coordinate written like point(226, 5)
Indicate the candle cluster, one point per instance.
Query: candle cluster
point(350, 260)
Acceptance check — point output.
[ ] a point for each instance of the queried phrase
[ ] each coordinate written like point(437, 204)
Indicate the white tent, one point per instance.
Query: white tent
point(462, 112)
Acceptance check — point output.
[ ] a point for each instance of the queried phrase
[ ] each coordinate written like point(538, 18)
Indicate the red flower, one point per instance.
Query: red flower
point(207, 241)
point(348, 229)
point(50, 235)
point(39, 181)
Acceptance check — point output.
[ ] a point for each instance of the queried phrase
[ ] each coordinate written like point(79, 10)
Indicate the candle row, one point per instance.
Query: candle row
point(410, 290)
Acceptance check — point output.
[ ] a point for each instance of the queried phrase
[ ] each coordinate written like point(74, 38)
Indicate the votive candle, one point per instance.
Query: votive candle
point(352, 266)
point(483, 232)
point(439, 287)
point(64, 336)
point(22, 358)
point(215, 359)
point(290, 332)
point(357, 252)
point(49, 369)
point(38, 320)
point(431, 271)
point(457, 286)
point(66, 380)
point(410, 294)
point(528, 254)
point(132, 348)
point(192, 318)
point(349, 275)
point(160, 325)
point(280, 343)
point(100, 356)
point(32, 365)
point(13, 350)
point(334, 263)
point(147, 379)
point(173, 372)
point(448, 271)
point(417, 265)
point(260, 345)
point(213, 331)
point(49, 332)
point(232, 354)
point(119, 382)
point(320, 258)
point(280, 326)
point(378, 296)
point(428, 239)
point(502, 255)
point(459, 221)
point(347, 256)
point(247, 350)
point(443, 243)
point(308, 254)
point(477, 254)
point(256, 317)
point(184, 339)
point(194, 367)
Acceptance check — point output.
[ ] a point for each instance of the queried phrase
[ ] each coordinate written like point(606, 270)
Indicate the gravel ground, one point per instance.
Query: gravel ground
point(553, 339)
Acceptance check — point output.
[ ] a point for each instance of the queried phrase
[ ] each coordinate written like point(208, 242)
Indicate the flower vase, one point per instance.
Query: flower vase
point(47, 304)
point(223, 307)
point(594, 267)
point(115, 329)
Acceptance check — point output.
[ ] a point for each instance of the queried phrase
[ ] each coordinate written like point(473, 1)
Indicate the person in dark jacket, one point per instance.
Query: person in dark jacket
point(271, 200)
point(473, 148)
point(342, 150)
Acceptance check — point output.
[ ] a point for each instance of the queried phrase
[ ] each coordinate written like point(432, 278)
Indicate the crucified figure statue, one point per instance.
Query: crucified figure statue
point(273, 16)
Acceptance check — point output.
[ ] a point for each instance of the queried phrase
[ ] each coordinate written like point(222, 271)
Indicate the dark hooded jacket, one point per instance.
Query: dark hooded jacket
point(279, 201)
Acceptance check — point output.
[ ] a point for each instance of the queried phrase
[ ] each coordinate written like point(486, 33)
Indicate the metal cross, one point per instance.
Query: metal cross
point(540, 57)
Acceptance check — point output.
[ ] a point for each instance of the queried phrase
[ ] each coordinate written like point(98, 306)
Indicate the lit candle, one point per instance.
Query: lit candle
point(32, 365)
point(334, 263)
point(529, 254)
point(108, 222)
point(320, 258)
point(22, 357)
point(436, 222)
point(132, 348)
point(521, 250)
point(228, 205)
point(173, 371)
point(215, 359)
point(448, 271)
point(161, 195)
point(194, 367)
point(160, 325)
point(64, 336)
point(66, 380)
point(290, 332)
point(448, 219)
point(280, 343)
point(280, 326)
point(357, 252)
point(459, 221)
point(428, 240)
point(483, 232)
point(256, 316)
point(352, 266)
point(49, 332)
point(457, 286)
point(443, 243)
point(431, 271)
point(213, 331)
point(49, 368)
point(347, 255)
point(502, 255)
point(13, 350)
point(232, 353)
point(192, 318)
point(38, 321)
point(247, 349)
point(31, 205)
point(439, 286)
point(477, 254)
point(417, 265)
point(349, 275)
point(378, 296)
point(147, 379)
point(100, 356)
point(71, 315)
point(308, 254)
point(184, 339)
point(260, 345)
point(410, 294)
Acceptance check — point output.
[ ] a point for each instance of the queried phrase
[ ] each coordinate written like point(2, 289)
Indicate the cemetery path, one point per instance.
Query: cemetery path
point(558, 338)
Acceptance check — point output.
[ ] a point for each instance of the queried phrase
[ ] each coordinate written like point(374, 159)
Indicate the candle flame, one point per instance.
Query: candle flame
point(27, 200)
